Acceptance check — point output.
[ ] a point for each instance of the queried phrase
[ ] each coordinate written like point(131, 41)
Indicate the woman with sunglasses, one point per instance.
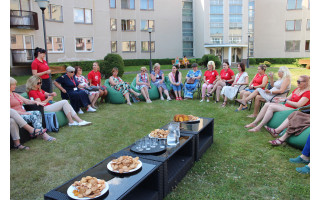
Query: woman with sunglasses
point(143, 84)
point(40, 68)
point(70, 89)
point(34, 91)
point(298, 98)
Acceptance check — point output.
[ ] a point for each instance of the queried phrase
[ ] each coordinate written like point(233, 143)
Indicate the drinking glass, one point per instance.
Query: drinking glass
point(153, 142)
point(162, 144)
point(147, 143)
point(138, 145)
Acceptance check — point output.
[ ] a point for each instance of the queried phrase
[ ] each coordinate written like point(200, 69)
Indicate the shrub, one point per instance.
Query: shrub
point(207, 57)
point(252, 61)
point(141, 62)
point(110, 61)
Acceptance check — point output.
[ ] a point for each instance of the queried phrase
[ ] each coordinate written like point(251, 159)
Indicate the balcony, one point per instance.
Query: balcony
point(23, 19)
point(22, 56)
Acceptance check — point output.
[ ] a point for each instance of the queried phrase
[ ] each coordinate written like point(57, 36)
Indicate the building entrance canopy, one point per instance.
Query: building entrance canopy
point(234, 51)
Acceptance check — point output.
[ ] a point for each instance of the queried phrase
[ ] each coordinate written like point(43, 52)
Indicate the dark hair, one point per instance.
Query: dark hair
point(226, 62)
point(243, 67)
point(38, 50)
point(194, 65)
point(76, 69)
point(263, 67)
point(176, 77)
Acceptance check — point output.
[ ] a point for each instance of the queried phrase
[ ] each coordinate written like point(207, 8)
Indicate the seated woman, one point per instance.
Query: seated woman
point(157, 79)
point(296, 123)
point(177, 62)
point(225, 79)
point(143, 84)
point(34, 117)
point(93, 95)
point(210, 79)
point(303, 158)
point(278, 87)
point(299, 97)
point(70, 89)
point(175, 80)
point(193, 78)
point(259, 81)
point(241, 78)
point(94, 78)
point(34, 91)
point(118, 84)
point(185, 61)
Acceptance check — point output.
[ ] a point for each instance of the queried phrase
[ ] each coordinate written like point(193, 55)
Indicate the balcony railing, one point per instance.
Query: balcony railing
point(22, 56)
point(23, 19)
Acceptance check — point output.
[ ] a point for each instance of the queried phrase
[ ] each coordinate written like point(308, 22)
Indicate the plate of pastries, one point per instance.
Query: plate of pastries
point(124, 164)
point(186, 118)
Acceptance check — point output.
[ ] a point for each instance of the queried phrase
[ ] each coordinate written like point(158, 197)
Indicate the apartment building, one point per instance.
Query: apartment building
point(89, 30)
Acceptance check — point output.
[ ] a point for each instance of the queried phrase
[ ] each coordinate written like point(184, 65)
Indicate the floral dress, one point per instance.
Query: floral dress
point(142, 79)
point(189, 89)
point(120, 86)
point(83, 81)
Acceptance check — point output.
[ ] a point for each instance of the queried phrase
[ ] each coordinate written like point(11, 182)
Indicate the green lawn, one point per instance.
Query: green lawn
point(239, 164)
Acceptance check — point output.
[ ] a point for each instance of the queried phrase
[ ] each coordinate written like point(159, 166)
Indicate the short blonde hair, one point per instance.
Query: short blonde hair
point(285, 71)
point(13, 81)
point(32, 83)
point(211, 63)
point(143, 68)
point(155, 66)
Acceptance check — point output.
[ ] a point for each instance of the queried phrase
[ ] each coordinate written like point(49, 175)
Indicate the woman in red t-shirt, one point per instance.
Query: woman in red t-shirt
point(34, 90)
point(298, 98)
point(260, 80)
point(226, 78)
point(40, 68)
point(94, 78)
point(210, 78)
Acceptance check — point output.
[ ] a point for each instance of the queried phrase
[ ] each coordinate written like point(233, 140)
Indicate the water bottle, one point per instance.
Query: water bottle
point(174, 134)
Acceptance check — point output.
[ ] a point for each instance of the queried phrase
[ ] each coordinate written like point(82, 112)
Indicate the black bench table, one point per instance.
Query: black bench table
point(145, 183)
point(203, 132)
point(176, 161)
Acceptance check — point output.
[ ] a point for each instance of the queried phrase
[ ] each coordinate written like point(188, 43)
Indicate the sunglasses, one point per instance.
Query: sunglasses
point(71, 72)
point(298, 81)
point(39, 83)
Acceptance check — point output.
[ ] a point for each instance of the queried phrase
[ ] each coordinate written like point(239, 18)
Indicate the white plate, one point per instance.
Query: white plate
point(132, 170)
point(71, 188)
point(156, 137)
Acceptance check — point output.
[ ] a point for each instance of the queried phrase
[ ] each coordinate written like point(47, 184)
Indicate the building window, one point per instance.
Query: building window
point(146, 24)
point(216, 9)
point(187, 48)
point(145, 46)
point(216, 31)
point(235, 9)
point(217, 40)
point(146, 5)
point(84, 44)
point(113, 24)
point(54, 13)
point(307, 47)
point(293, 25)
point(112, 3)
point(20, 5)
point(235, 21)
point(128, 25)
point(293, 46)
point(235, 39)
point(294, 4)
point(82, 15)
point(129, 46)
point(113, 46)
point(55, 44)
point(127, 4)
point(308, 24)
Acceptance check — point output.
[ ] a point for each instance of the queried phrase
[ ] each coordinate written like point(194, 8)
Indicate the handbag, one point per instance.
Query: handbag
point(190, 81)
point(52, 123)
point(92, 88)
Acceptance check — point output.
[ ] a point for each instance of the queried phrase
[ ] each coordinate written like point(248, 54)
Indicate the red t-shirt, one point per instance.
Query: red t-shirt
point(295, 98)
point(211, 75)
point(257, 80)
point(38, 94)
point(95, 77)
point(227, 75)
point(40, 67)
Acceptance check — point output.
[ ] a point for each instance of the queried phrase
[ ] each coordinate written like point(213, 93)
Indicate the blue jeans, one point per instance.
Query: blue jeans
point(250, 90)
point(306, 148)
point(177, 88)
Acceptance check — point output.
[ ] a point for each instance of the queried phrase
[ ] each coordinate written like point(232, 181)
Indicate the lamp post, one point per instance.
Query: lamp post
point(43, 4)
point(248, 51)
point(150, 30)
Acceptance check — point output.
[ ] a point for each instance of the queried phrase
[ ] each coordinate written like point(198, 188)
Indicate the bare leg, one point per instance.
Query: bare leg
point(219, 87)
point(260, 116)
point(179, 93)
point(176, 93)
point(126, 96)
point(95, 98)
point(143, 92)
point(147, 93)
point(282, 126)
point(257, 103)
point(167, 94)
point(160, 91)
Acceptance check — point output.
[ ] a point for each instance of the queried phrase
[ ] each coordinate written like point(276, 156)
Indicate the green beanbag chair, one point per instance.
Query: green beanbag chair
point(153, 92)
point(62, 118)
point(298, 141)
point(114, 96)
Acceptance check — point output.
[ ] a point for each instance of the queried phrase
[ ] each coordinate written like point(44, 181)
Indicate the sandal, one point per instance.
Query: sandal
point(224, 104)
point(21, 147)
point(276, 142)
point(50, 139)
point(272, 131)
point(37, 133)
point(208, 94)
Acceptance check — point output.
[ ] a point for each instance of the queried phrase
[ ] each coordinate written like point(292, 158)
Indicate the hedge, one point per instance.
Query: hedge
point(254, 61)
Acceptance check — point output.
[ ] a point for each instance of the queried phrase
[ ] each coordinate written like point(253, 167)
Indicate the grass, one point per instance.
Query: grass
point(239, 164)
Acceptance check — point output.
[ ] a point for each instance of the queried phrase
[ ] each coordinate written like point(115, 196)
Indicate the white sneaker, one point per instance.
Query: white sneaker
point(84, 123)
point(74, 123)
point(208, 100)
point(168, 99)
point(90, 109)
point(80, 111)
point(162, 98)
point(149, 101)
point(201, 100)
